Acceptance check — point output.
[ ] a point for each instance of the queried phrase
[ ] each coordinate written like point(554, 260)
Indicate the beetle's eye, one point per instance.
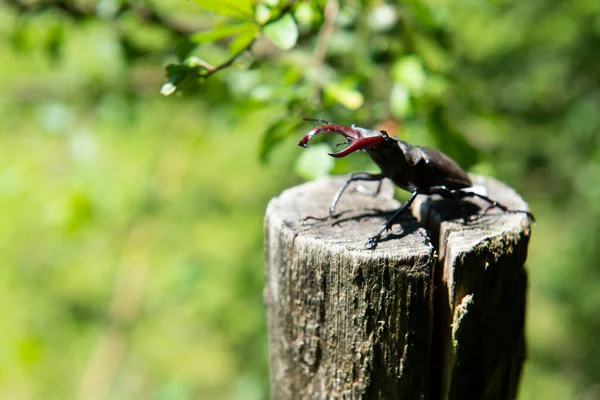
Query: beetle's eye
point(384, 133)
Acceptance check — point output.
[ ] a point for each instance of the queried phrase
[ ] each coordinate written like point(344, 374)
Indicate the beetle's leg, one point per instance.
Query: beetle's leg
point(457, 194)
point(367, 192)
point(373, 240)
point(454, 195)
point(493, 204)
point(358, 176)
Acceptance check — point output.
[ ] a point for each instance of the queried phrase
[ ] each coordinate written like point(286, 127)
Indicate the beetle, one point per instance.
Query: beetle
point(416, 169)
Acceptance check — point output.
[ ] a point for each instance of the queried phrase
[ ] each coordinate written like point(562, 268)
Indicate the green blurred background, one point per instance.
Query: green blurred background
point(131, 222)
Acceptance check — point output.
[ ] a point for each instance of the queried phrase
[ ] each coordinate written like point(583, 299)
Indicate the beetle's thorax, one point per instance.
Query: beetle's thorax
point(395, 159)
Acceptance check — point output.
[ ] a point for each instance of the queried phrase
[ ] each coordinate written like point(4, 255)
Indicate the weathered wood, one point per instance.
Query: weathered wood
point(479, 311)
point(432, 313)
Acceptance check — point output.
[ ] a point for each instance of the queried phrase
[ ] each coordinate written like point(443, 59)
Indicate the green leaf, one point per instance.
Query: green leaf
point(315, 162)
point(179, 75)
point(222, 32)
point(262, 13)
point(409, 72)
point(240, 8)
point(282, 32)
point(306, 14)
point(277, 132)
point(243, 39)
point(400, 104)
point(168, 88)
point(346, 94)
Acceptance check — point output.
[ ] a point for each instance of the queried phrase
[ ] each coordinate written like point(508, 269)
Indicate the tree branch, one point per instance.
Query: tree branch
point(210, 70)
point(330, 13)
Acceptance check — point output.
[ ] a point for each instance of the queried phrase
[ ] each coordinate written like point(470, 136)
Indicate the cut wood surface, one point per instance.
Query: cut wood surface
point(436, 311)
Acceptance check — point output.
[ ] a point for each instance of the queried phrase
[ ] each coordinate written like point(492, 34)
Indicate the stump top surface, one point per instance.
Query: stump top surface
point(359, 216)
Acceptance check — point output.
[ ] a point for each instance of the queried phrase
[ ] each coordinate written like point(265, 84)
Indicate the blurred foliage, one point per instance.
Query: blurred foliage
point(132, 222)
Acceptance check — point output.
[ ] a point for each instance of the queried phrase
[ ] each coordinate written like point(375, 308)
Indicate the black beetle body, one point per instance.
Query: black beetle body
point(419, 170)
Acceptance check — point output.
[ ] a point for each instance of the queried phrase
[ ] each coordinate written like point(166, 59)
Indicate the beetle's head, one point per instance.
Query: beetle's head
point(357, 138)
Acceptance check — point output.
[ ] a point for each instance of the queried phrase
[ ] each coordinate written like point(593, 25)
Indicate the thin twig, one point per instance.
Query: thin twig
point(330, 14)
point(210, 69)
point(206, 65)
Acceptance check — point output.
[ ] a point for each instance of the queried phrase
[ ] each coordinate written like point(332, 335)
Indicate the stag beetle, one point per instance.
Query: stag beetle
point(417, 169)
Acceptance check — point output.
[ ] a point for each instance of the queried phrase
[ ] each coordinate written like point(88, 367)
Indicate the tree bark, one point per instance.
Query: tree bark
point(436, 311)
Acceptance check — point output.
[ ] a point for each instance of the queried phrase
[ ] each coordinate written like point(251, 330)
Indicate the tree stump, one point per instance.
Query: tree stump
point(436, 311)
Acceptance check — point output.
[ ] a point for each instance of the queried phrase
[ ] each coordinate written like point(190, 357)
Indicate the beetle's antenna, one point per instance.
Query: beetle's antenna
point(316, 120)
